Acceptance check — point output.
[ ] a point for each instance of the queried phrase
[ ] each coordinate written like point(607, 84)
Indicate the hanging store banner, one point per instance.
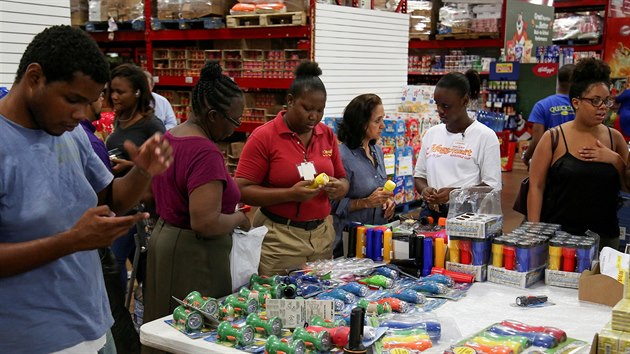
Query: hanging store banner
point(617, 47)
point(527, 26)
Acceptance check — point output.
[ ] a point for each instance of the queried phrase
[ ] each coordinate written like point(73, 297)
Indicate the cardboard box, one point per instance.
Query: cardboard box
point(474, 225)
point(599, 288)
point(514, 278)
point(480, 272)
point(562, 279)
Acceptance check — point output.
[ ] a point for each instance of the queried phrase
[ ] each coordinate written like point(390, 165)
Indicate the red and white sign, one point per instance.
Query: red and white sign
point(545, 69)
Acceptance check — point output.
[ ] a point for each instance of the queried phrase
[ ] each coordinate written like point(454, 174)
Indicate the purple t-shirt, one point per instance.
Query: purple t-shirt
point(196, 161)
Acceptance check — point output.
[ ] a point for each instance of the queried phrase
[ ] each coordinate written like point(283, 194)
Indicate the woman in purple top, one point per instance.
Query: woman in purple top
point(196, 200)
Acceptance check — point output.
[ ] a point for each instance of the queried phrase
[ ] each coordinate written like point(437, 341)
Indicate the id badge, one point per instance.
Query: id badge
point(307, 170)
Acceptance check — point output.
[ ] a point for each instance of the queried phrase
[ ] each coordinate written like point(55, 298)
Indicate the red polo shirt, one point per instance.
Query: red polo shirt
point(271, 156)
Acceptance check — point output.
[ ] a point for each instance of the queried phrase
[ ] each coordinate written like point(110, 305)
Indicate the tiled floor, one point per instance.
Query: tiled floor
point(511, 185)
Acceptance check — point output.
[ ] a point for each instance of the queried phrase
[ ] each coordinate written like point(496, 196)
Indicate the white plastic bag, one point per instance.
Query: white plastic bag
point(245, 254)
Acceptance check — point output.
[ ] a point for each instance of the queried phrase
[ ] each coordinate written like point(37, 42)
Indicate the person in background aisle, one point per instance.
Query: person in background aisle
point(366, 202)
point(50, 185)
point(576, 183)
point(196, 200)
point(459, 153)
point(623, 112)
point(276, 169)
point(162, 108)
point(129, 95)
point(551, 111)
point(126, 338)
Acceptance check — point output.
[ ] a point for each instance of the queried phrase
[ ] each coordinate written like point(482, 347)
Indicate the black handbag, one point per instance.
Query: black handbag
point(520, 204)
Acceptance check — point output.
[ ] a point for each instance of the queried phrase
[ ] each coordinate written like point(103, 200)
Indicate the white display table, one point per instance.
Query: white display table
point(485, 304)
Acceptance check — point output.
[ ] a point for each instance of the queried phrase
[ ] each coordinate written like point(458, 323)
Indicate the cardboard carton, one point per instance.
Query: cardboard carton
point(599, 288)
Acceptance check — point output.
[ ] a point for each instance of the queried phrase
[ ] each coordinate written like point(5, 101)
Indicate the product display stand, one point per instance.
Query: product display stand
point(485, 304)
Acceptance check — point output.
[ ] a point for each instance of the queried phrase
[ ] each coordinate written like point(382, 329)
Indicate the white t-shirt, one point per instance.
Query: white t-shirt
point(460, 160)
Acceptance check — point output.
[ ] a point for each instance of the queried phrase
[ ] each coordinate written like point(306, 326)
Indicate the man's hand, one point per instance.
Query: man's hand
point(99, 227)
point(153, 157)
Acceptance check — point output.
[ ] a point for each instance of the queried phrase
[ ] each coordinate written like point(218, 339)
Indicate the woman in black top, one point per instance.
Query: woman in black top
point(129, 95)
point(578, 169)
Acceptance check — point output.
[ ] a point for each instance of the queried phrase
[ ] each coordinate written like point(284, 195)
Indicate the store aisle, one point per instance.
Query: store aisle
point(511, 185)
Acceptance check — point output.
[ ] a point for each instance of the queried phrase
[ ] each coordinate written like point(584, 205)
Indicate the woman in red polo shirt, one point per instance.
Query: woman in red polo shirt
point(276, 168)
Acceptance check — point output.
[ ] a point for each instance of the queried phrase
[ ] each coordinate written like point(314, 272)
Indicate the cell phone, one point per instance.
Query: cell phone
point(115, 153)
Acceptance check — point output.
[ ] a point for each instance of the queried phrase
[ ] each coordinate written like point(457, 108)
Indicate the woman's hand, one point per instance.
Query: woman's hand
point(389, 208)
point(302, 192)
point(443, 195)
point(378, 198)
point(121, 165)
point(598, 153)
point(245, 224)
point(336, 188)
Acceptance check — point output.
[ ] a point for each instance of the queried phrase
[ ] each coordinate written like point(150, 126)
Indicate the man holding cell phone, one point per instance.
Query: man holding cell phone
point(58, 202)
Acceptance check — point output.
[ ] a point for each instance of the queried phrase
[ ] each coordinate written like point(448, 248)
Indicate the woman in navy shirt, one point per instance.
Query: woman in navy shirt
point(366, 202)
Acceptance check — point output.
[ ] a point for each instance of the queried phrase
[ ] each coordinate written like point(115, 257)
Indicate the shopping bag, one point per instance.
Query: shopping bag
point(245, 254)
point(520, 204)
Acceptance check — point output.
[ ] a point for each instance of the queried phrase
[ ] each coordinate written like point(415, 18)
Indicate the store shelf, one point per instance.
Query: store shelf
point(119, 36)
point(244, 83)
point(455, 43)
point(585, 47)
point(248, 127)
point(231, 33)
point(579, 3)
point(436, 73)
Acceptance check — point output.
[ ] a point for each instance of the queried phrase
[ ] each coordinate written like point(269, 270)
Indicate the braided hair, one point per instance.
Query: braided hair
point(214, 90)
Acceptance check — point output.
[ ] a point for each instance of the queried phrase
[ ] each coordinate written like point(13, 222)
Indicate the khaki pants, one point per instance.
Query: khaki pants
point(287, 247)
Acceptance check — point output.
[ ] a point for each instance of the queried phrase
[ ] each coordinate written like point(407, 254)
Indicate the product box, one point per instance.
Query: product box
point(479, 271)
point(599, 288)
point(514, 278)
point(562, 279)
point(399, 191)
point(409, 189)
point(474, 225)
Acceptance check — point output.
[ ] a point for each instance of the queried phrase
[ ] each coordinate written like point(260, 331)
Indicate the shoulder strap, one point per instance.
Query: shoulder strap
point(554, 140)
point(612, 144)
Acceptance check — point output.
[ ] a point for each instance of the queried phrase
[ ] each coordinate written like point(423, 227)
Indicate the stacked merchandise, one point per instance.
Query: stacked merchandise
point(420, 19)
point(520, 257)
point(247, 7)
point(458, 18)
point(190, 9)
point(619, 8)
point(486, 18)
point(455, 60)
point(614, 338)
point(325, 307)
point(180, 101)
point(510, 336)
point(237, 63)
point(118, 10)
point(583, 28)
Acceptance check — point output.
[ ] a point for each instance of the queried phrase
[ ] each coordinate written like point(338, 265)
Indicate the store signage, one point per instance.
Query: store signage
point(617, 47)
point(528, 25)
point(545, 69)
point(505, 68)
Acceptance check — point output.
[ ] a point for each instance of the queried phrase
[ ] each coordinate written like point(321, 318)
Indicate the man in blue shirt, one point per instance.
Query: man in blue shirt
point(51, 181)
point(551, 111)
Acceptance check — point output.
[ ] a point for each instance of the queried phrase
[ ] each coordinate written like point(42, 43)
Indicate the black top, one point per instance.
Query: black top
point(582, 195)
point(138, 133)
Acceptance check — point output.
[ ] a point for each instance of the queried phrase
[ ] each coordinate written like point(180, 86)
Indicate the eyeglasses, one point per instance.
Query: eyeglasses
point(598, 102)
point(235, 122)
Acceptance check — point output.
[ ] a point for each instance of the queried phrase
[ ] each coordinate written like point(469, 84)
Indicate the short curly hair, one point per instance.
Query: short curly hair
point(62, 51)
point(587, 72)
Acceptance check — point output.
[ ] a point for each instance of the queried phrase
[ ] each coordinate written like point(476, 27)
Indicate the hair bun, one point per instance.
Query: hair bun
point(308, 68)
point(211, 71)
point(591, 69)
